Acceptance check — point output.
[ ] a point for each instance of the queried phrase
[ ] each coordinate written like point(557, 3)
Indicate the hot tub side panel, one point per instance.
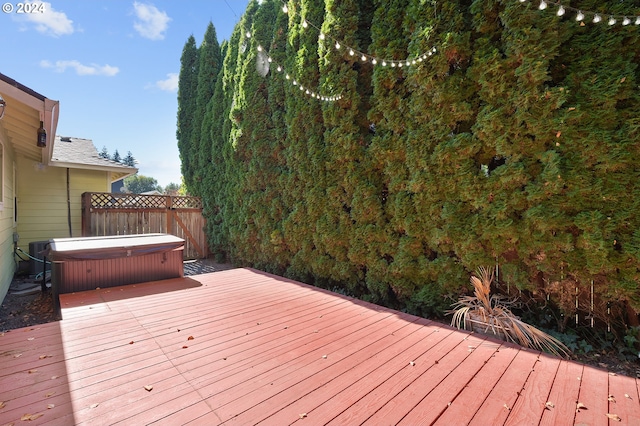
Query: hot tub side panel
point(81, 275)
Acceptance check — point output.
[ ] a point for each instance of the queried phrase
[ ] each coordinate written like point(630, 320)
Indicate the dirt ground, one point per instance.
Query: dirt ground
point(19, 311)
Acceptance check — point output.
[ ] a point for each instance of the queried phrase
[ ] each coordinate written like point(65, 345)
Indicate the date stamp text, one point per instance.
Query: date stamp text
point(23, 8)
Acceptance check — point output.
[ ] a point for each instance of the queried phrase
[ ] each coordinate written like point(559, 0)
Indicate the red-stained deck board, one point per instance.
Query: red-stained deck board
point(280, 410)
point(396, 409)
point(624, 401)
point(257, 355)
point(594, 393)
point(259, 389)
point(349, 386)
point(465, 405)
point(533, 397)
point(438, 400)
point(505, 392)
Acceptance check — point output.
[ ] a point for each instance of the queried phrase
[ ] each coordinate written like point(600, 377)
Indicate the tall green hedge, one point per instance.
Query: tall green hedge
point(516, 144)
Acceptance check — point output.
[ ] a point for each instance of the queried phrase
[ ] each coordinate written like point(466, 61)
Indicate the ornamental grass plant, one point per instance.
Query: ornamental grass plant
point(491, 314)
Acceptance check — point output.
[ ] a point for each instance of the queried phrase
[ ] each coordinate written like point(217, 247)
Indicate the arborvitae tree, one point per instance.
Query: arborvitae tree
point(514, 144)
point(187, 89)
point(302, 180)
point(210, 62)
point(346, 137)
point(104, 153)
point(116, 156)
point(129, 160)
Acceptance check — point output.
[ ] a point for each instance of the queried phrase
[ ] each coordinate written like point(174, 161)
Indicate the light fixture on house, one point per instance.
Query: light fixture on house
point(42, 136)
point(3, 104)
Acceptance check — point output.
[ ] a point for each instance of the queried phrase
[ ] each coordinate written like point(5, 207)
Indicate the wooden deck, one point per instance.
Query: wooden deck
point(245, 347)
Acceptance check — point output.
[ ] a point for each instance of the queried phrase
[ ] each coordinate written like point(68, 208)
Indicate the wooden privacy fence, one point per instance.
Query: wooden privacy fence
point(105, 214)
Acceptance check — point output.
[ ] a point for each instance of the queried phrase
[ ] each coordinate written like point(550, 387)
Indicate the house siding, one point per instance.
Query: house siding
point(7, 264)
point(42, 200)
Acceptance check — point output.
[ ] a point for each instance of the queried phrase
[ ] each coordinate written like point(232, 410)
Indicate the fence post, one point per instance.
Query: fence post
point(168, 206)
point(86, 214)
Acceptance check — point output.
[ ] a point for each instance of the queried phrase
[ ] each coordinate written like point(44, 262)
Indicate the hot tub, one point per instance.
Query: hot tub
point(81, 264)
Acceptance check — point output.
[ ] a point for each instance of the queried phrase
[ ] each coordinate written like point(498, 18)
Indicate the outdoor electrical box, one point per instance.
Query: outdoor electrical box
point(35, 251)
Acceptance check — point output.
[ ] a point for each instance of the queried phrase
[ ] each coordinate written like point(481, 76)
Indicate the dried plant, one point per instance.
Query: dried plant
point(489, 314)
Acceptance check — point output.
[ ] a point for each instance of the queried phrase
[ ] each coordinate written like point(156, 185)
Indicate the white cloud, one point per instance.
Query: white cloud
point(81, 69)
point(50, 22)
point(170, 84)
point(151, 22)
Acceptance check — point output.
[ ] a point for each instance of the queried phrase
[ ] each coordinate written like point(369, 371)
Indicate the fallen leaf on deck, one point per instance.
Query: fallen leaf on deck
point(50, 406)
point(303, 415)
point(612, 374)
point(580, 406)
point(623, 79)
point(54, 377)
point(412, 363)
point(507, 407)
point(324, 356)
point(558, 134)
point(31, 338)
point(614, 417)
point(148, 388)
point(185, 347)
point(29, 417)
point(131, 342)
point(611, 398)
point(44, 356)
point(49, 394)
point(549, 405)
point(94, 405)
point(626, 395)
point(32, 371)
point(2, 404)
point(571, 109)
point(190, 338)
point(17, 355)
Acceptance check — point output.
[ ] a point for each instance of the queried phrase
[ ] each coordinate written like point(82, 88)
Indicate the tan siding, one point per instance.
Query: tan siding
point(42, 200)
point(7, 265)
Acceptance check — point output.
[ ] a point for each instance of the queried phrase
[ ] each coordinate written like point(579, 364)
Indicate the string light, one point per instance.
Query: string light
point(364, 57)
point(296, 83)
point(580, 15)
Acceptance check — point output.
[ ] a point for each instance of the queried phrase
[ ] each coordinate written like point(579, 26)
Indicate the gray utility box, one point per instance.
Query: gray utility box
point(36, 249)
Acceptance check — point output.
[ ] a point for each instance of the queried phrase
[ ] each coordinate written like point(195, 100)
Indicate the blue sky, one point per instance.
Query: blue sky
point(113, 65)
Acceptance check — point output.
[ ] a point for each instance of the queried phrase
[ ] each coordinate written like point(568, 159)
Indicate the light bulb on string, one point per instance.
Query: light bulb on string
point(248, 34)
point(279, 68)
point(384, 63)
point(259, 48)
point(374, 61)
point(337, 45)
point(393, 64)
point(304, 24)
point(522, 1)
point(321, 36)
point(612, 21)
point(579, 16)
point(597, 18)
point(363, 58)
point(408, 63)
point(285, 9)
point(543, 5)
point(637, 21)
point(351, 52)
point(626, 21)
point(560, 11)
point(287, 77)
